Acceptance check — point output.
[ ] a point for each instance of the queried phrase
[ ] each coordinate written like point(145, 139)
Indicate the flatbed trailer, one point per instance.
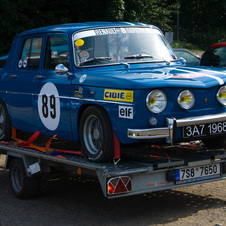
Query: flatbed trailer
point(139, 171)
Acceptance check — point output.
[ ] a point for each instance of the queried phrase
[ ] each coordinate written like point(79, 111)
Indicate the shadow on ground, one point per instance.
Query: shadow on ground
point(81, 202)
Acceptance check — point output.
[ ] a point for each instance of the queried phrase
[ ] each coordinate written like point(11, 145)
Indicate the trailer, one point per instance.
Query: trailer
point(139, 170)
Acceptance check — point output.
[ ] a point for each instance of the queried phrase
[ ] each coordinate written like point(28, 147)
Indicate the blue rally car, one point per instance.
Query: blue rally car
point(100, 82)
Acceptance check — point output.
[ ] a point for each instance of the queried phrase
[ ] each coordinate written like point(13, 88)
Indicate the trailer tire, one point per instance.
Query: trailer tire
point(23, 187)
point(96, 135)
point(5, 123)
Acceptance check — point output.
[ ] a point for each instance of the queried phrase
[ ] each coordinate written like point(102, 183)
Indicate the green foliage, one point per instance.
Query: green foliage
point(115, 10)
point(185, 45)
point(201, 22)
point(154, 12)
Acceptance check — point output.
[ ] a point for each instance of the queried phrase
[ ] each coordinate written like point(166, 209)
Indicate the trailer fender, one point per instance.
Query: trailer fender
point(31, 164)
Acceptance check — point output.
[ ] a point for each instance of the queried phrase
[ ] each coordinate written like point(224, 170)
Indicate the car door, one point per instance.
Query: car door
point(52, 102)
point(21, 82)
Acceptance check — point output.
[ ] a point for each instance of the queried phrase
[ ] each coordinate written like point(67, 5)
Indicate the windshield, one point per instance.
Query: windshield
point(120, 45)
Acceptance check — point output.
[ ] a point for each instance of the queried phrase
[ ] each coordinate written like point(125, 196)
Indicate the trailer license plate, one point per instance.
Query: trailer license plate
point(204, 130)
point(198, 173)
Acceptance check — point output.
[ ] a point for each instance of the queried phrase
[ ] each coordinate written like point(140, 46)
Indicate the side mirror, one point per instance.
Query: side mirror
point(60, 68)
point(182, 60)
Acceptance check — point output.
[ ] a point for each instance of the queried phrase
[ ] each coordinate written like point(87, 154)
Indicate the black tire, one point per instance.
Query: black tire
point(96, 135)
point(23, 187)
point(5, 123)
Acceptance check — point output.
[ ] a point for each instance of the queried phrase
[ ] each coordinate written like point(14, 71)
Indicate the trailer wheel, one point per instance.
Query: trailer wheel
point(5, 123)
point(96, 135)
point(23, 187)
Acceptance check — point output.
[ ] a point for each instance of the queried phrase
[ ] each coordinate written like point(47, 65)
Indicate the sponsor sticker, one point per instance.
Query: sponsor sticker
point(125, 112)
point(123, 30)
point(79, 42)
point(82, 78)
point(25, 63)
point(118, 95)
point(79, 92)
point(20, 64)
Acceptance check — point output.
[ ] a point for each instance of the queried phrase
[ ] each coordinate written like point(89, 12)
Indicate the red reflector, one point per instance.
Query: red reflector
point(119, 185)
point(111, 189)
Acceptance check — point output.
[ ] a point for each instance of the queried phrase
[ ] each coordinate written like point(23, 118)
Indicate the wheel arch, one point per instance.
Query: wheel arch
point(85, 106)
point(3, 101)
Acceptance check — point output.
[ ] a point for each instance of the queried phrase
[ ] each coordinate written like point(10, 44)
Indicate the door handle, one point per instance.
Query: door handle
point(37, 77)
point(12, 76)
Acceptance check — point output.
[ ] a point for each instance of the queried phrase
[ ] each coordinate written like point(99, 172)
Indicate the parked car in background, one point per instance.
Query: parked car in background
point(215, 55)
point(190, 57)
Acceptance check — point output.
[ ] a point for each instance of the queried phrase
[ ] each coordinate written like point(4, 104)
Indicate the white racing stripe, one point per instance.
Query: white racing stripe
point(221, 81)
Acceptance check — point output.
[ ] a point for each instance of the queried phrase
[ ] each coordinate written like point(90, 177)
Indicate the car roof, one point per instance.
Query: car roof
point(216, 45)
point(72, 27)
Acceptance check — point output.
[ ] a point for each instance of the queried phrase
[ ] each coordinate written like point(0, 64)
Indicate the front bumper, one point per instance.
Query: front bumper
point(172, 124)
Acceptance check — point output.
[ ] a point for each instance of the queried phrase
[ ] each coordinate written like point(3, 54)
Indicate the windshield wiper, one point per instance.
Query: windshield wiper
point(138, 56)
point(95, 59)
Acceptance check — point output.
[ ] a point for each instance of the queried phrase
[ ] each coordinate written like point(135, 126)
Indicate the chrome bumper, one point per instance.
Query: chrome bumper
point(172, 123)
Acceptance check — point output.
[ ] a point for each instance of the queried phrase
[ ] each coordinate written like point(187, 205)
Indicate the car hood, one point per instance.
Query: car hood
point(142, 78)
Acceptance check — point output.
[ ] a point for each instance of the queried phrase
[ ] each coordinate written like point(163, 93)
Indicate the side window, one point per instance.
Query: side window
point(3, 60)
point(57, 52)
point(30, 56)
point(220, 56)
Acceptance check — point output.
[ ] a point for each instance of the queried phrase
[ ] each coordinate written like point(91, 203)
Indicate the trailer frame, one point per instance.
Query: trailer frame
point(135, 173)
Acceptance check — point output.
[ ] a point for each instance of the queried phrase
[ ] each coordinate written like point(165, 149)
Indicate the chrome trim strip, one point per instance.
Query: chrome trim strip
point(74, 98)
point(148, 133)
point(201, 120)
point(101, 101)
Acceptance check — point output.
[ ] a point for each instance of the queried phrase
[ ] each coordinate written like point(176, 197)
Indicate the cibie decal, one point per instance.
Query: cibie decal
point(118, 95)
point(125, 112)
point(49, 106)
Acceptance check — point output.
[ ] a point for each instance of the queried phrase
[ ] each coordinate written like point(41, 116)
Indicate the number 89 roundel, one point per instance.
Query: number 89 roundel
point(49, 106)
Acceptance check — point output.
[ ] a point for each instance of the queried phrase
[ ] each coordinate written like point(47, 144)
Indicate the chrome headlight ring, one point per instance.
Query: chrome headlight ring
point(186, 99)
point(221, 95)
point(156, 101)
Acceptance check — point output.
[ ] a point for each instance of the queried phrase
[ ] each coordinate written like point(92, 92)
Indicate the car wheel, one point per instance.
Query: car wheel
point(23, 187)
point(96, 135)
point(5, 124)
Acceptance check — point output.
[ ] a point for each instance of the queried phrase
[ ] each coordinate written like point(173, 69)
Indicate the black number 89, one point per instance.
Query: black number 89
point(52, 105)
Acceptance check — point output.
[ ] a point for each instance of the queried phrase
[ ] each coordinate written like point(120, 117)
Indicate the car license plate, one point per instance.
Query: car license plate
point(204, 129)
point(198, 173)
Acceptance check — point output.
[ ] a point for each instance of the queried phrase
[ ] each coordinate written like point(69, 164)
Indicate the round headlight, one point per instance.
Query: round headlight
point(186, 99)
point(156, 101)
point(221, 95)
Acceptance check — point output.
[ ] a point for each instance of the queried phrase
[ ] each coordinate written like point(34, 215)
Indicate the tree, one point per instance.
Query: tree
point(20, 15)
point(154, 12)
point(203, 22)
